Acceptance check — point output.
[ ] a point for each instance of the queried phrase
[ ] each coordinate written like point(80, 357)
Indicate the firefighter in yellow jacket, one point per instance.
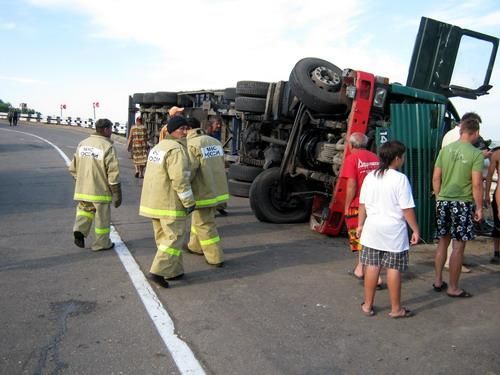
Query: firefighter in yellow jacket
point(167, 199)
point(209, 184)
point(95, 169)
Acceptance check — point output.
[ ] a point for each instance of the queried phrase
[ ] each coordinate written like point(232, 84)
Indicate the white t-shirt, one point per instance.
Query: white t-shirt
point(385, 198)
point(451, 136)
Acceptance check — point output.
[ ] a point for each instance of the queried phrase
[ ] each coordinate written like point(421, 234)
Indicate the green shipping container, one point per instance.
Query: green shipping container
point(417, 126)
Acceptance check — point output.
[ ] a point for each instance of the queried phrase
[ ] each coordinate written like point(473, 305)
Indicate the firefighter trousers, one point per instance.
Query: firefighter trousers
point(204, 237)
point(100, 214)
point(169, 236)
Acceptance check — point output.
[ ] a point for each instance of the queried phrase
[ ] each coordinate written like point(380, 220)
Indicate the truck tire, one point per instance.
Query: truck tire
point(242, 172)
point(148, 98)
point(247, 104)
point(255, 89)
point(230, 93)
point(317, 83)
point(286, 98)
point(138, 98)
point(239, 188)
point(165, 97)
point(268, 205)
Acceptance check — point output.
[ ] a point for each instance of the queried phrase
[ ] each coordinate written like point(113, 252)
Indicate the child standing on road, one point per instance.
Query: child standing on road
point(386, 205)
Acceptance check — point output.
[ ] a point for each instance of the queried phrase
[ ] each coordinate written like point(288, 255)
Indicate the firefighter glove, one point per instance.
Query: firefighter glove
point(190, 209)
point(116, 190)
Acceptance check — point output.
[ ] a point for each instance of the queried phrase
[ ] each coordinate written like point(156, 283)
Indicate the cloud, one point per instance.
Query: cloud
point(8, 26)
point(207, 43)
point(23, 80)
point(201, 44)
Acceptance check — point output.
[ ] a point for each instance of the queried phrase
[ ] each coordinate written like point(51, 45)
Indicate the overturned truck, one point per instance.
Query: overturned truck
point(201, 104)
point(293, 133)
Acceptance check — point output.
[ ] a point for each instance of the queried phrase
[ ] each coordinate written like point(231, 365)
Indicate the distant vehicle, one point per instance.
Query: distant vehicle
point(119, 128)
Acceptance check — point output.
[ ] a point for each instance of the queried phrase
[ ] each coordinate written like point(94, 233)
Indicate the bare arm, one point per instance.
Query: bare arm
point(497, 198)
point(494, 164)
point(477, 193)
point(361, 219)
point(411, 219)
point(129, 140)
point(350, 193)
point(436, 181)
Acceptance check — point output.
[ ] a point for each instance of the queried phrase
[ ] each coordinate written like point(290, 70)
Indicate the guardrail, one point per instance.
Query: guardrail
point(68, 121)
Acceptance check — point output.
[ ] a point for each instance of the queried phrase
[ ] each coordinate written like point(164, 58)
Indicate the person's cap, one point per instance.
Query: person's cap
point(172, 111)
point(175, 123)
point(193, 123)
point(103, 123)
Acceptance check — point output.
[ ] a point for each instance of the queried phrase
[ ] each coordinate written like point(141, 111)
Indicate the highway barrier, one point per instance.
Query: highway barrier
point(68, 121)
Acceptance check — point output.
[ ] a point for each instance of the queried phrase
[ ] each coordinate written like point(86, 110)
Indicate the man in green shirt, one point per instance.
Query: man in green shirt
point(458, 186)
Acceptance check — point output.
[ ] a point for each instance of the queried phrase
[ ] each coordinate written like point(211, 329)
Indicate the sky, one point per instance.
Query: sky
point(78, 52)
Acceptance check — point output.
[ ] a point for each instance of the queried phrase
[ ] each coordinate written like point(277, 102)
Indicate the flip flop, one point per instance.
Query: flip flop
point(360, 278)
point(462, 294)
point(440, 288)
point(367, 313)
point(406, 314)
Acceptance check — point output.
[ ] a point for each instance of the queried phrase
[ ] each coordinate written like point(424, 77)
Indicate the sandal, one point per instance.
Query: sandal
point(360, 278)
point(440, 288)
point(403, 313)
point(462, 294)
point(367, 313)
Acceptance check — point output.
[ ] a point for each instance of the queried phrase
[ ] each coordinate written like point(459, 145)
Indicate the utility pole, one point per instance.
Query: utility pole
point(95, 105)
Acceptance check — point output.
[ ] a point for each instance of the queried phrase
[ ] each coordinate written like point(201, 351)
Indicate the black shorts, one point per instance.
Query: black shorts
point(496, 230)
point(455, 219)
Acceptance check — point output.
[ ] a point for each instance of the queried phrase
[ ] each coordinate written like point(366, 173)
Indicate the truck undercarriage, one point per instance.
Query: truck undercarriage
point(290, 136)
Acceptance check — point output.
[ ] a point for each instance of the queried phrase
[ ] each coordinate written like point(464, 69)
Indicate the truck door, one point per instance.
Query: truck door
point(452, 61)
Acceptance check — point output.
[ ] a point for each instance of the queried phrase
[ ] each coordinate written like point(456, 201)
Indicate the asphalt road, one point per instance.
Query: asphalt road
point(284, 303)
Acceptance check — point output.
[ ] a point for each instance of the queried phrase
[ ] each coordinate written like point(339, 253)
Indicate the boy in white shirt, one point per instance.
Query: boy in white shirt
point(386, 206)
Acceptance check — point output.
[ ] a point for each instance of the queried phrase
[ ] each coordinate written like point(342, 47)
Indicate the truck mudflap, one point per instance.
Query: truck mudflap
point(327, 216)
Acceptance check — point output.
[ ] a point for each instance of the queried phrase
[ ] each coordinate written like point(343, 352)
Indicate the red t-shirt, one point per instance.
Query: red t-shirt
point(357, 165)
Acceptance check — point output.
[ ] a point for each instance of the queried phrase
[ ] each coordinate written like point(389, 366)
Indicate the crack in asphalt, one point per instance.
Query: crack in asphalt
point(62, 311)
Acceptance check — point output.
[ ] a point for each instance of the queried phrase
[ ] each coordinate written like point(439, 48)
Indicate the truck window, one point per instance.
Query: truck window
point(452, 61)
point(472, 62)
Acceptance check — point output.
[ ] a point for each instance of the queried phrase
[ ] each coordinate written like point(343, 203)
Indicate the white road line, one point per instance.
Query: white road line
point(63, 155)
point(181, 353)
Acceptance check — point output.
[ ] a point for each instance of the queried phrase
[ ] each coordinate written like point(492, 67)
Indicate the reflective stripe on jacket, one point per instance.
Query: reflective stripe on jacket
point(208, 181)
point(166, 190)
point(95, 168)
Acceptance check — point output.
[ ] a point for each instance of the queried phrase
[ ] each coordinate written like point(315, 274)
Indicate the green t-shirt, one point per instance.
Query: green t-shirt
point(457, 162)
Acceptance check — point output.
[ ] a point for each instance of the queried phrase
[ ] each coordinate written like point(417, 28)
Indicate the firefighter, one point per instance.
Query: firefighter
point(172, 112)
point(95, 169)
point(167, 199)
point(209, 185)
